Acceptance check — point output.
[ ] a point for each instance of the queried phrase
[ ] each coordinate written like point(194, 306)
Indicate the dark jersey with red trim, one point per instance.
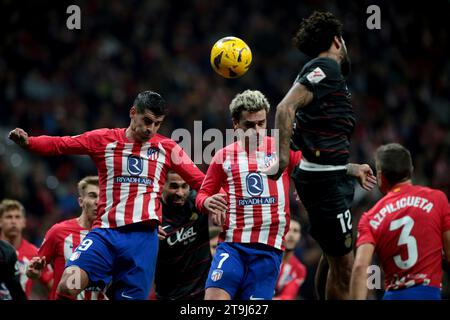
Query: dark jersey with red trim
point(322, 129)
point(184, 257)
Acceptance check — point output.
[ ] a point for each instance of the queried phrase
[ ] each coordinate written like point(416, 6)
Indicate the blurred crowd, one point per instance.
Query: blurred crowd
point(57, 81)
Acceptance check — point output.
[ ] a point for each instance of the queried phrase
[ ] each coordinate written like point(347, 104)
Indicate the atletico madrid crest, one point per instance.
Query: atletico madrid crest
point(216, 275)
point(153, 153)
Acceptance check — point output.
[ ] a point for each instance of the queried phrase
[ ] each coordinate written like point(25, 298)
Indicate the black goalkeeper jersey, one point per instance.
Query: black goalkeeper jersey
point(322, 129)
point(184, 257)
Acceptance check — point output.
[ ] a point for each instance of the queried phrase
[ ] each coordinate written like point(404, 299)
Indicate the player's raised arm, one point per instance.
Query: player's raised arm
point(297, 97)
point(208, 198)
point(48, 145)
point(182, 164)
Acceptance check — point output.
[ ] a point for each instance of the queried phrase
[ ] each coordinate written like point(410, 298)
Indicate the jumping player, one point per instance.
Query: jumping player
point(320, 107)
point(132, 167)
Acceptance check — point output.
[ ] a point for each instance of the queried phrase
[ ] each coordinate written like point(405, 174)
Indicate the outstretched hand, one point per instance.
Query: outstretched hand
point(364, 174)
point(19, 136)
point(35, 267)
point(217, 206)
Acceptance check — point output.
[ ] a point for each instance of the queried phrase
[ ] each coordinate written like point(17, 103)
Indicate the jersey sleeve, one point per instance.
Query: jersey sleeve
point(47, 275)
point(445, 210)
point(294, 160)
point(80, 144)
point(364, 233)
point(48, 246)
point(212, 183)
point(185, 167)
point(321, 77)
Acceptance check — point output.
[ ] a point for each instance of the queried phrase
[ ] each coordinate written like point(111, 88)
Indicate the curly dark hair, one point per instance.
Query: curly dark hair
point(317, 32)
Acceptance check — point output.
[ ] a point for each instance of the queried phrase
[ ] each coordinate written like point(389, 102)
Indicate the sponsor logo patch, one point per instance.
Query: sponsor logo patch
point(254, 184)
point(316, 75)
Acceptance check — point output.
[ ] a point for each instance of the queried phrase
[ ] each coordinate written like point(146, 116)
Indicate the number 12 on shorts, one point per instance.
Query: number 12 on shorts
point(346, 221)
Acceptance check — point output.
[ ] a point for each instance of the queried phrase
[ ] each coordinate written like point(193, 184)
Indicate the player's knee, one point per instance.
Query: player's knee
point(72, 282)
point(216, 294)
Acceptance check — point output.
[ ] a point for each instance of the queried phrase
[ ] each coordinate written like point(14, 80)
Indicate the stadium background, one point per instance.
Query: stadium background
point(60, 82)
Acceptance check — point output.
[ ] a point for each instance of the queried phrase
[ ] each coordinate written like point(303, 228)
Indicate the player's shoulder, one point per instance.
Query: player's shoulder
point(166, 142)
point(64, 225)
point(323, 64)
point(229, 147)
point(27, 248)
point(435, 194)
point(105, 132)
point(368, 215)
point(6, 249)
point(105, 135)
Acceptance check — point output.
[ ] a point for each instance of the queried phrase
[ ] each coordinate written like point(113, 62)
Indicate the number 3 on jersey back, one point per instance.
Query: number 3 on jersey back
point(407, 224)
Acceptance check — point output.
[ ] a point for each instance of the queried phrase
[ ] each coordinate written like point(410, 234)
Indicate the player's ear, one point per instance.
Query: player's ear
point(382, 182)
point(337, 42)
point(80, 201)
point(133, 111)
point(235, 123)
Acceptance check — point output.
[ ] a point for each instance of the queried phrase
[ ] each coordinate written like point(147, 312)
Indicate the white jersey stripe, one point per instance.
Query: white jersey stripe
point(159, 166)
point(142, 188)
point(124, 187)
point(109, 163)
point(248, 210)
point(266, 215)
point(232, 199)
point(281, 213)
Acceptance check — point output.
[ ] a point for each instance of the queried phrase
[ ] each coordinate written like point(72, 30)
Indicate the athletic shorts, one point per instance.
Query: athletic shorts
point(246, 271)
point(419, 292)
point(124, 256)
point(328, 196)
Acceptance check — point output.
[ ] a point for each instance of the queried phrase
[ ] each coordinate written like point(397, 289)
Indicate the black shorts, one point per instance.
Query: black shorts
point(327, 196)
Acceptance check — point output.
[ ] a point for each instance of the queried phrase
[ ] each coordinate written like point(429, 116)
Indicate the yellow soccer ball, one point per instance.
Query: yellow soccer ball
point(231, 57)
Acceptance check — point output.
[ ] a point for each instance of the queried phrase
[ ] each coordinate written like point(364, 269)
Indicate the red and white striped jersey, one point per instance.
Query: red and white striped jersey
point(292, 275)
point(258, 206)
point(59, 243)
point(131, 174)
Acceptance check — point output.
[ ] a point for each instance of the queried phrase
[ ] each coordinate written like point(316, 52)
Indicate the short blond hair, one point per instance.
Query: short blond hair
point(9, 204)
point(249, 100)
point(92, 180)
